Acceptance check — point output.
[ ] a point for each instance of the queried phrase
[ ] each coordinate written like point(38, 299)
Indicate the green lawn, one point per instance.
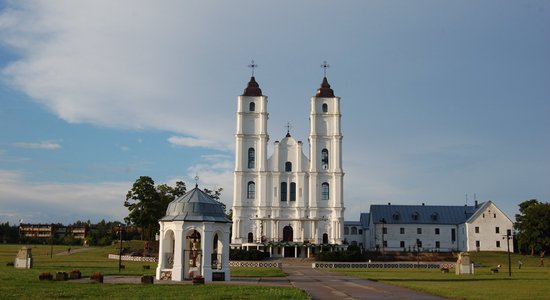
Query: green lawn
point(24, 284)
point(531, 282)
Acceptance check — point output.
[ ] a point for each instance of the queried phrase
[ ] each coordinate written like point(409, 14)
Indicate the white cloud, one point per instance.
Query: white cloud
point(41, 145)
point(60, 202)
point(194, 142)
point(113, 64)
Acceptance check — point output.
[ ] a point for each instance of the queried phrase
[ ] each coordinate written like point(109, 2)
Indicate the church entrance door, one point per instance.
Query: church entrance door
point(287, 234)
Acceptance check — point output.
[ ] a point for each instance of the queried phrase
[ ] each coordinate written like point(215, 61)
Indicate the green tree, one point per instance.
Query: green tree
point(147, 203)
point(533, 226)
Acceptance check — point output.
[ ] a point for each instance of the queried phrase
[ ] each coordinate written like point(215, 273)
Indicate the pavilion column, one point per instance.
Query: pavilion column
point(207, 247)
point(178, 268)
point(162, 258)
point(296, 251)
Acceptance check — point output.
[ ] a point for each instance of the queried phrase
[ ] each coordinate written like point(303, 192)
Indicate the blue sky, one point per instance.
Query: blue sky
point(440, 99)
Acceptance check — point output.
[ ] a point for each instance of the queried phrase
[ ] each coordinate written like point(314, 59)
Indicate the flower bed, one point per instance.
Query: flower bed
point(97, 277)
point(45, 276)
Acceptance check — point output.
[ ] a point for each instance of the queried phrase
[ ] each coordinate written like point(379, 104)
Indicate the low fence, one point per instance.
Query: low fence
point(134, 258)
point(400, 265)
point(256, 264)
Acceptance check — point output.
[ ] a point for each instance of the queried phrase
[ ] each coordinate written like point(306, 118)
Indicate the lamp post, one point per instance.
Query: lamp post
point(508, 236)
point(52, 232)
point(120, 229)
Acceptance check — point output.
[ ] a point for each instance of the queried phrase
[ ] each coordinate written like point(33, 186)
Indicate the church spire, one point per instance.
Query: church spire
point(325, 90)
point(253, 88)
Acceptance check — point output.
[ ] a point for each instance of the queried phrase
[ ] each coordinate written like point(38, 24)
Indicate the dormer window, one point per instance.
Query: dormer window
point(396, 216)
point(252, 106)
point(435, 216)
point(415, 216)
point(325, 108)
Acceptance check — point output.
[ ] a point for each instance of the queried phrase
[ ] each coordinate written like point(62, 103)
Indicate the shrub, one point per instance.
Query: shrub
point(239, 254)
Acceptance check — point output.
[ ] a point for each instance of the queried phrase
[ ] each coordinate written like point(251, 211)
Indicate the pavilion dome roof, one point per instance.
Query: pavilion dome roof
point(195, 206)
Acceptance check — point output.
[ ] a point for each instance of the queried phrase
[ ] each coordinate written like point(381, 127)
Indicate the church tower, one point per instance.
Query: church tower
point(250, 157)
point(326, 175)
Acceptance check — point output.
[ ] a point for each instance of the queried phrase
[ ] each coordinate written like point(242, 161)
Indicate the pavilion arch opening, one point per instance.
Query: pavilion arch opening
point(217, 251)
point(168, 244)
point(193, 253)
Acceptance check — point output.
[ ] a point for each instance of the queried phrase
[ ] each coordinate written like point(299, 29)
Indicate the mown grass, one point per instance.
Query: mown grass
point(24, 284)
point(531, 282)
point(256, 272)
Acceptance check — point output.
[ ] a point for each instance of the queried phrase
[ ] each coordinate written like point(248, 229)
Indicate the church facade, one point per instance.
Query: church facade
point(288, 203)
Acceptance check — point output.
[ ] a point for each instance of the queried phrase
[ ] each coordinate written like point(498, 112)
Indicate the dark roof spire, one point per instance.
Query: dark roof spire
point(325, 90)
point(253, 88)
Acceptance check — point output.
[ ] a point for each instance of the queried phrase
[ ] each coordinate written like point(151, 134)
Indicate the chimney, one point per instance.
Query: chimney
point(422, 203)
point(389, 203)
point(475, 204)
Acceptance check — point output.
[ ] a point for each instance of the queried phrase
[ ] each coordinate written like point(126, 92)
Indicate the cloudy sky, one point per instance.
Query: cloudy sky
point(440, 99)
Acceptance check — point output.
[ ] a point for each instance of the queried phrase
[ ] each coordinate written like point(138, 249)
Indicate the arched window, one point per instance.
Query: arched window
point(324, 159)
point(288, 166)
point(252, 106)
point(251, 190)
point(251, 158)
point(325, 107)
point(250, 237)
point(283, 191)
point(353, 230)
point(293, 191)
point(325, 238)
point(324, 191)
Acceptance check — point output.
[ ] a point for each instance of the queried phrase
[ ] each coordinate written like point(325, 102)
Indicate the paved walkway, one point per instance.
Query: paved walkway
point(322, 285)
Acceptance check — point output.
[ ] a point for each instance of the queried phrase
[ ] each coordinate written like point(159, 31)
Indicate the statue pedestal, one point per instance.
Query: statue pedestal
point(23, 260)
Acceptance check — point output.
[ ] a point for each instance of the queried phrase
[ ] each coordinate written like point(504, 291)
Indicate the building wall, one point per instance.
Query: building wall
point(487, 230)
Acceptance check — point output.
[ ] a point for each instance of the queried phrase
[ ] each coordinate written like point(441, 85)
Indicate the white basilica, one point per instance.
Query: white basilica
point(288, 203)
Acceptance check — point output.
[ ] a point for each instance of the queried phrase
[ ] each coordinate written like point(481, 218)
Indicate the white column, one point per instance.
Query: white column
point(295, 251)
point(179, 239)
point(207, 247)
point(162, 257)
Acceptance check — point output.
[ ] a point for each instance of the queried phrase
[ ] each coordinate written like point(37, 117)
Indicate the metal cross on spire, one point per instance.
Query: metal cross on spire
point(288, 127)
point(252, 66)
point(196, 180)
point(325, 66)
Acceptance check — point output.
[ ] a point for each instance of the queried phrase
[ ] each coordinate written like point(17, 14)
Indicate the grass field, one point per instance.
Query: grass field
point(24, 284)
point(531, 282)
